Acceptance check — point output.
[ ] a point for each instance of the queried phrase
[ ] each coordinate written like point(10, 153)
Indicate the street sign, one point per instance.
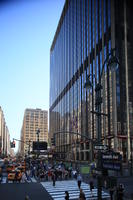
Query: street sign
point(112, 161)
point(115, 156)
point(101, 147)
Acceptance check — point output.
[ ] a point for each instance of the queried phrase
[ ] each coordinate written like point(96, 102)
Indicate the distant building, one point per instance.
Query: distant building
point(5, 149)
point(34, 119)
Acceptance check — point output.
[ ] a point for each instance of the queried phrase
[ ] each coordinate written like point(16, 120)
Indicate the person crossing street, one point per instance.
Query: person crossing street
point(79, 179)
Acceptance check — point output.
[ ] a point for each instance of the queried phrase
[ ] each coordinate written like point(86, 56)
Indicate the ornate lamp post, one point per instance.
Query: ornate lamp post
point(112, 62)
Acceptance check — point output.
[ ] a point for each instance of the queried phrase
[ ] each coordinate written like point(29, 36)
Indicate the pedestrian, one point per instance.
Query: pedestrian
point(66, 195)
point(91, 186)
point(23, 179)
point(53, 178)
point(79, 179)
point(120, 192)
point(111, 191)
point(82, 195)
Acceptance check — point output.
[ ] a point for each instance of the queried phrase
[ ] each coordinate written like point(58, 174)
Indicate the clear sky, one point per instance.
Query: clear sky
point(27, 28)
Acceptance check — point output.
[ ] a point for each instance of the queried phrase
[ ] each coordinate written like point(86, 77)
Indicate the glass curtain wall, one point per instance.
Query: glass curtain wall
point(81, 44)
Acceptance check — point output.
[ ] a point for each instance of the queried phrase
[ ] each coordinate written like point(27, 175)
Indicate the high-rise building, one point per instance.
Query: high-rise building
point(34, 120)
point(5, 149)
point(86, 33)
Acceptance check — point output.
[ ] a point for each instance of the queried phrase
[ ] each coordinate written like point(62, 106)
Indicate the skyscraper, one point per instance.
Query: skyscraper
point(34, 119)
point(86, 33)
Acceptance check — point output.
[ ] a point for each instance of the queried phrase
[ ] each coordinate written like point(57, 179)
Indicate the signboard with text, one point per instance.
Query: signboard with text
point(39, 146)
point(111, 161)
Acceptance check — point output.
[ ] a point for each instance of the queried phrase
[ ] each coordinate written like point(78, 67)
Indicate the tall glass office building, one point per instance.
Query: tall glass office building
point(86, 32)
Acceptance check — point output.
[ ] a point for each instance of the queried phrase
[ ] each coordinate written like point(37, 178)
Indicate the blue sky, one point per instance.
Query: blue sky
point(27, 28)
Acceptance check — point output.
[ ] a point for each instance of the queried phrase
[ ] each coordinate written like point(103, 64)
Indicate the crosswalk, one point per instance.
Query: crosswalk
point(57, 192)
point(4, 180)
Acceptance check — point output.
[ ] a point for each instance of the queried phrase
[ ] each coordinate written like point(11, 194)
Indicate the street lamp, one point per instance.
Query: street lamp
point(112, 62)
point(89, 85)
point(37, 133)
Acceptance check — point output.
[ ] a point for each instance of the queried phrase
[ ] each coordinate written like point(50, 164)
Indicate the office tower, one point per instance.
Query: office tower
point(34, 120)
point(86, 33)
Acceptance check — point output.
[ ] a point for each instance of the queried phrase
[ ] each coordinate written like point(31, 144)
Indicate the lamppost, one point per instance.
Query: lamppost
point(112, 62)
point(37, 133)
point(88, 85)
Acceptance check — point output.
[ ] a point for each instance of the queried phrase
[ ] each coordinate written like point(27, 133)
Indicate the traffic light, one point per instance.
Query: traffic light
point(53, 141)
point(12, 144)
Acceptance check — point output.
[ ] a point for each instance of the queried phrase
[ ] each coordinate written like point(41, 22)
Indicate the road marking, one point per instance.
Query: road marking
point(33, 180)
point(57, 192)
point(4, 180)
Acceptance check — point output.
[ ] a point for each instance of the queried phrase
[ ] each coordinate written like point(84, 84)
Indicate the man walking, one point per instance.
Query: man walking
point(79, 179)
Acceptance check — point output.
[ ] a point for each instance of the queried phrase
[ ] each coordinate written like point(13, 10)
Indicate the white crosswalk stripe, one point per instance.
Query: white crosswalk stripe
point(4, 180)
point(33, 180)
point(57, 192)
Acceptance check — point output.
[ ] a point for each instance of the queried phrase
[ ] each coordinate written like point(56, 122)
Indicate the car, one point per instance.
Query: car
point(0, 174)
point(1, 162)
point(14, 175)
point(9, 168)
point(21, 168)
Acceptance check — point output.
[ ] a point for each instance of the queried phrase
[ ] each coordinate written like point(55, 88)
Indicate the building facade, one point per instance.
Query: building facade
point(5, 149)
point(86, 33)
point(34, 119)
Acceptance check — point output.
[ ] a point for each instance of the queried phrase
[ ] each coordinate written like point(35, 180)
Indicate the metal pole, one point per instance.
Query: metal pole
point(99, 185)
point(108, 100)
point(38, 131)
point(29, 147)
point(131, 159)
point(38, 143)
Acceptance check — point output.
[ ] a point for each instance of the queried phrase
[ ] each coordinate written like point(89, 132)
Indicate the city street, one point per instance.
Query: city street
point(16, 191)
point(46, 190)
point(66, 102)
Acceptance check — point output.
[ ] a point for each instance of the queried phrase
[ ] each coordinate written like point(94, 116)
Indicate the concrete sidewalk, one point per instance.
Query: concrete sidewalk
point(126, 181)
point(128, 184)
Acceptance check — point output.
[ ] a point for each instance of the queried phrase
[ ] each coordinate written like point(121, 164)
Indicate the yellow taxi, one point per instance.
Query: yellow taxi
point(9, 168)
point(14, 175)
point(21, 168)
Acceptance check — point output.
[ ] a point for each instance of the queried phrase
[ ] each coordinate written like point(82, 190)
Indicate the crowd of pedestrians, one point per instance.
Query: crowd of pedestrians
point(47, 171)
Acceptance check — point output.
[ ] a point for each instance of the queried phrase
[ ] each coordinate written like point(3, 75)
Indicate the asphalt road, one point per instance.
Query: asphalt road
point(18, 191)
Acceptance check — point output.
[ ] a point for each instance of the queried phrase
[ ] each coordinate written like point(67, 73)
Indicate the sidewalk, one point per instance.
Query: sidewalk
point(127, 181)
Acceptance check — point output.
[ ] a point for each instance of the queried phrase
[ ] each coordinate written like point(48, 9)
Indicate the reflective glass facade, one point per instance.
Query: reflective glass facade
point(82, 41)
